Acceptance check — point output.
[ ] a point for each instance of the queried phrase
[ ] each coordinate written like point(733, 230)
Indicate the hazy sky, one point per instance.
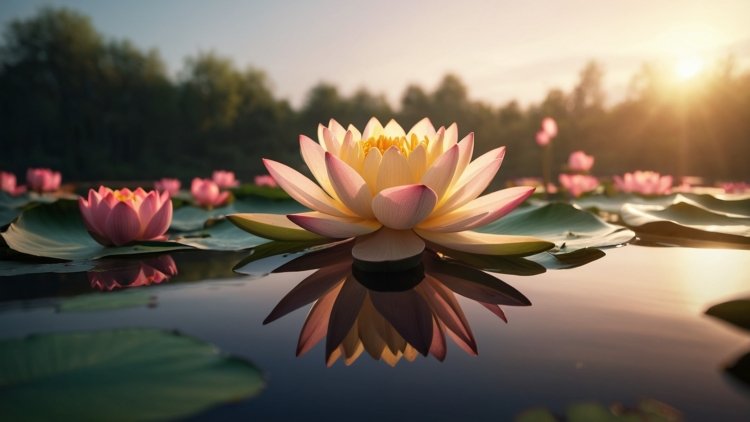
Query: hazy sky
point(501, 49)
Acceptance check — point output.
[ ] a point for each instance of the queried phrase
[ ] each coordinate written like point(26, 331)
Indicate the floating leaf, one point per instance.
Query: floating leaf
point(125, 374)
point(108, 301)
point(691, 223)
point(569, 228)
point(189, 218)
point(11, 268)
point(57, 231)
point(735, 312)
point(222, 236)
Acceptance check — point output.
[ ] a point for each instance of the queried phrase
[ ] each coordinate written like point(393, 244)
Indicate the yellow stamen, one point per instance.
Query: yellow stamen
point(123, 196)
point(383, 143)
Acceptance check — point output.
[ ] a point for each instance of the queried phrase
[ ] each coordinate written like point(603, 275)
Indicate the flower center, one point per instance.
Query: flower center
point(123, 196)
point(383, 143)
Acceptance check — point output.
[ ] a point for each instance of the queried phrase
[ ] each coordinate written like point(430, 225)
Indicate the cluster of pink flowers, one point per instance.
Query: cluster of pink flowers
point(208, 193)
point(547, 132)
point(39, 180)
point(644, 183)
point(735, 187)
point(579, 182)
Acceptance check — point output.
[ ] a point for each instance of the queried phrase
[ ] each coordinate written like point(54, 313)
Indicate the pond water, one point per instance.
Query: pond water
point(628, 327)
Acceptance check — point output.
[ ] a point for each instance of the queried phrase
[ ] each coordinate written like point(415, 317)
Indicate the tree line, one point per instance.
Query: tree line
point(102, 109)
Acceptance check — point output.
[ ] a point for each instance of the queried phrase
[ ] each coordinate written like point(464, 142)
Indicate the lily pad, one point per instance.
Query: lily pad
point(190, 218)
point(11, 268)
point(56, 230)
point(692, 221)
point(108, 301)
point(568, 227)
point(125, 374)
point(221, 236)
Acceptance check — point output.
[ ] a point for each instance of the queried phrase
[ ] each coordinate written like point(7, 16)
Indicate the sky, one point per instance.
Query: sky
point(502, 50)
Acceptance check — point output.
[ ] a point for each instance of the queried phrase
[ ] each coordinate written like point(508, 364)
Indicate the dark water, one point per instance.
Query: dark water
point(627, 327)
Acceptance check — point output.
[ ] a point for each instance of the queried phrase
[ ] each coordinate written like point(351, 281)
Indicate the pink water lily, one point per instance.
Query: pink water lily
point(168, 185)
point(549, 126)
point(580, 161)
point(578, 184)
point(225, 179)
point(206, 193)
point(394, 191)
point(644, 182)
point(120, 217)
point(542, 138)
point(43, 180)
point(265, 180)
point(8, 184)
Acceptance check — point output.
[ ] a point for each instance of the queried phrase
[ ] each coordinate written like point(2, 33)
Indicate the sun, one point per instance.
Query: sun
point(688, 67)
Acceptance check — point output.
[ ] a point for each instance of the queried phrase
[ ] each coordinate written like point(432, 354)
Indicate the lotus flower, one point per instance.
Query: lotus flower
point(225, 179)
point(8, 184)
point(735, 187)
point(393, 191)
point(168, 185)
point(43, 180)
point(265, 180)
point(578, 184)
point(542, 138)
point(133, 274)
point(644, 182)
point(206, 193)
point(580, 162)
point(119, 217)
point(414, 318)
point(549, 126)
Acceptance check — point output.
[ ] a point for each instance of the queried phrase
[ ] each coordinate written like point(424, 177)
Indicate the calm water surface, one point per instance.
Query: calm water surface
point(626, 327)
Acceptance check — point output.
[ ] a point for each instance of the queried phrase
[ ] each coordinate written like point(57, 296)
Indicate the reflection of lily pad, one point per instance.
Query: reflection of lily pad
point(736, 312)
point(710, 222)
point(128, 374)
point(568, 227)
point(108, 301)
point(57, 231)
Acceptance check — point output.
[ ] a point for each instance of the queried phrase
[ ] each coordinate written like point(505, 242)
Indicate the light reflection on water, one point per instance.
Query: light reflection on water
point(625, 327)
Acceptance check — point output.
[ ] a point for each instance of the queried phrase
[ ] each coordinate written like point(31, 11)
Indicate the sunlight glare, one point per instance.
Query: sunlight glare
point(688, 67)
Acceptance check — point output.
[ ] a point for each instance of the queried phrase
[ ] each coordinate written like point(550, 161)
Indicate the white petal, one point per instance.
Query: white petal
point(350, 187)
point(314, 156)
point(373, 129)
point(438, 177)
point(418, 162)
point(477, 176)
point(370, 169)
point(333, 227)
point(271, 226)
point(403, 207)
point(303, 190)
point(388, 245)
point(328, 140)
point(394, 170)
point(465, 151)
point(423, 128)
point(486, 243)
point(394, 130)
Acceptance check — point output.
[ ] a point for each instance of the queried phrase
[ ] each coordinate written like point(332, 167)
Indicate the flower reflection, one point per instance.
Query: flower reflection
point(390, 316)
point(121, 274)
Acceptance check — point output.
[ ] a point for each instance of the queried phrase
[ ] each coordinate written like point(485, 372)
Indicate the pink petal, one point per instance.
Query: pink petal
point(475, 179)
point(388, 245)
point(440, 174)
point(349, 186)
point(403, 207)
point(302, 189)
point(159, 223)
point(122, 225)
point(314, 157)
point(316, 323)
point(333, 227)
point(149, 206)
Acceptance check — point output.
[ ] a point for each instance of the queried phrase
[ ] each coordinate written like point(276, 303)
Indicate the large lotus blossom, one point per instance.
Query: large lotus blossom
point(265, 180)
point(578, 184)
point(225, 179)
point(133, 274)
point(43, 180)
point(8, 184)
point(393, 191)
point(644, 182)
point(580, 161)
point(168, 185)
point(119, 217)
point(415, 318)
point(206, 193)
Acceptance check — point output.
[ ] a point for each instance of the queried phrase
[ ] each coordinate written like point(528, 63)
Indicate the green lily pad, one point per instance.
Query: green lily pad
point(191, 218)
point(697, 221)
point(125, 374)
point(56, 230)
point(568, 227)
point(107, 301)
point(221, 236)
point(11, 268)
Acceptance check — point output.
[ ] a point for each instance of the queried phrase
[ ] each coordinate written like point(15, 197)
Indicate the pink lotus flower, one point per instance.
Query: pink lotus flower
point(549, 126)
point(735, 187)
point(168, 185)
point(8, 184)
point(265, 180)
point(43, 180)
point(578, 184)
point(136, 274)
point(644, 183)
point(393, 191)
point(579, 161)
point(123, 216)
point(206, 193)
point(225, 179)
point(542, 138)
